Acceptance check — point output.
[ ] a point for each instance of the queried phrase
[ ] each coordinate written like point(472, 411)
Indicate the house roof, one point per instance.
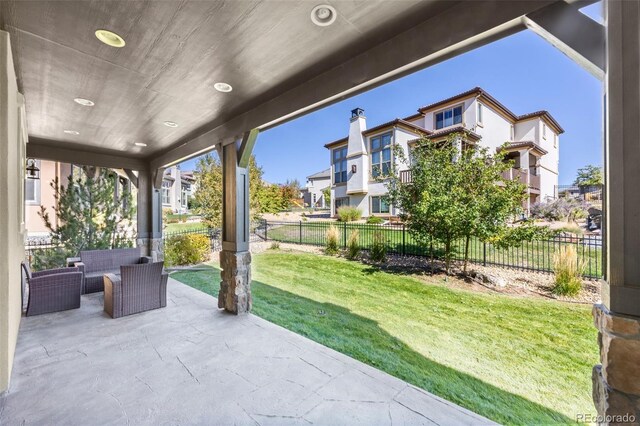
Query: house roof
point(336, 142)
point(397, 122)
point(521, 144)
point(455, 129)
point(483, 94)
point(323, 174)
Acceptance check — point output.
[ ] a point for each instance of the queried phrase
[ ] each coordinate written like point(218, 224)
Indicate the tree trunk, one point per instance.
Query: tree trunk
point(447, 255)
point(466, 254)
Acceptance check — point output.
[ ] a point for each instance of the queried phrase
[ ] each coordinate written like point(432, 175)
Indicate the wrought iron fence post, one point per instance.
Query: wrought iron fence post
point(300, 232)
point(266, 226)
point(484, 253)
point(404, 251)
point(344, 235)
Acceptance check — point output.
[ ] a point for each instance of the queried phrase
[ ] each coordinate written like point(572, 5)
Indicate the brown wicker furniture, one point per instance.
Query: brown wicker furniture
point(53, 290)
point(95, 263)
point(139, 288)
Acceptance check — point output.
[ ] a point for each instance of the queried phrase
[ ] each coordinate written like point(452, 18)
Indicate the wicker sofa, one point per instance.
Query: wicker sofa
point(53, 290)
point(139, 288)
point(94, 264)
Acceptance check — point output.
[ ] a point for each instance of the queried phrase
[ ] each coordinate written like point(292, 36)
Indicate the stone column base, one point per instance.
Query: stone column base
point(153, 247)
point(616, 382)
point(235, 287)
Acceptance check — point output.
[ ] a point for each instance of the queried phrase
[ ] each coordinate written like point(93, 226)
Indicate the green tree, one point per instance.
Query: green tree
point(89, 216)
point(208, 196)
point(589, 175)
point(456, 196)
point(326, 194)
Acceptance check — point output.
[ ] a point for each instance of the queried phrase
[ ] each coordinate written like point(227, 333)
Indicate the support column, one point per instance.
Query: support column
point(235, 259)
point(616, 382)
point(149, 214)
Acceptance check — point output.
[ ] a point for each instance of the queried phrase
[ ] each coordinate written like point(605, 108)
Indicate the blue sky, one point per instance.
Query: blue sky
point(523, 72)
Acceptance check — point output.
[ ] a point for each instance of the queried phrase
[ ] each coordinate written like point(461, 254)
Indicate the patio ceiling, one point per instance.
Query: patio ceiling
point(279, 63)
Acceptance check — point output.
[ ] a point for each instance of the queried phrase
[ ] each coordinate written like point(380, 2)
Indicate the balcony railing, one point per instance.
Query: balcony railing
point(405, 176)
point(530, 178)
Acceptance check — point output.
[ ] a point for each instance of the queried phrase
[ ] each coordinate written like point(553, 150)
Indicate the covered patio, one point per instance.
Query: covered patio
point(200, 76)
point(194, 364)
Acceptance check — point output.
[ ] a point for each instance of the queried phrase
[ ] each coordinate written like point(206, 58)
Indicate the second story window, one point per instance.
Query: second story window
point(544, 131)
point(339, 156)
point(480, 112)
point(184, 196)
point(380, 155)
point(449, 117)
point(166, 186)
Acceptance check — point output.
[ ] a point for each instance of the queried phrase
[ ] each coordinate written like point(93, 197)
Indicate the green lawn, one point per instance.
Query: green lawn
point(184, 227)
point(535, 254)
point(514, 360)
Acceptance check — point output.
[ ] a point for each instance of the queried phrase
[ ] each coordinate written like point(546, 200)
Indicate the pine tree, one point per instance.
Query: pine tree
point(89, 216)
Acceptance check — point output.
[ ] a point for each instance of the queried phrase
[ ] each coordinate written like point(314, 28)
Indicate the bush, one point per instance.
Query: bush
point(187, 249)
point(375, 220)
point(353, 246)
point(378, 250)
point(275, 245)
point(568, 269)
point(349, 214)
point(333, 235)
point(561, 209)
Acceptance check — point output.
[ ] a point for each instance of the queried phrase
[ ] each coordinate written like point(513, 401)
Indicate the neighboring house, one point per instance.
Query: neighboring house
point(39, 192)
point(177, 189)
point(356, 160)
point(312, 192)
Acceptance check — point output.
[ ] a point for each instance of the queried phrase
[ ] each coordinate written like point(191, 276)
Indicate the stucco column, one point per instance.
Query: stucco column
point(149, 215)
point(235, 259)
point(616, 382)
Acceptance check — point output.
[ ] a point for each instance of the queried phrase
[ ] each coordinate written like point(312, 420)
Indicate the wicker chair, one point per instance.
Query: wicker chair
point(53, 290)
point(139, 288)
point(95, 263)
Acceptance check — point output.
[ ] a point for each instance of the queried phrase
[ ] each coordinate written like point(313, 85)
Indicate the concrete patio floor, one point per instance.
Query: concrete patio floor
point(194, 364)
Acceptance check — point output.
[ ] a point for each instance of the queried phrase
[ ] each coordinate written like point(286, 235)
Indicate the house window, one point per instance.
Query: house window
point(32, 188)
point(555, 140)
point(380, 155)
point(480, 113)
point(379, 205)
point(184, 195)
point(544, 131)
point(449, 117)
point(340, 165)
point(166, 186)
point(313, 199)
point(341, 202)
point(513, 132)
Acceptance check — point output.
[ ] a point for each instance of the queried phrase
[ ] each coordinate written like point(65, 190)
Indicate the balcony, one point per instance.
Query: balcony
point(530, 178)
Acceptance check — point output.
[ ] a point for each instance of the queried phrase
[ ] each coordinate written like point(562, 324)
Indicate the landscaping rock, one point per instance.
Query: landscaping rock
point(494, 280)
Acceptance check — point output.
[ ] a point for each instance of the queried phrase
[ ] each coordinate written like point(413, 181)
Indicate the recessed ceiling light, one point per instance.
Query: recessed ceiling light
point(140, 144)
point(71, 132)
point(170, 124)
point(110, 38)
point(84, 102)
point(323, 15)
point(223, 87)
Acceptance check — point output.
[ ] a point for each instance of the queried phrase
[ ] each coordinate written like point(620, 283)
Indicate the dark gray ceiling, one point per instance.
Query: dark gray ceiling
point(175, 52)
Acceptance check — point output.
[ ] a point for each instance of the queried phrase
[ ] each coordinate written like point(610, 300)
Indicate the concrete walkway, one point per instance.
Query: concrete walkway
point(193, 364)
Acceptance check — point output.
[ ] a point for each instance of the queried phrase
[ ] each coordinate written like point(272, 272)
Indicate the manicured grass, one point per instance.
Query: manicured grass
point(513, 360)
point(184, 227)
point(533, 255)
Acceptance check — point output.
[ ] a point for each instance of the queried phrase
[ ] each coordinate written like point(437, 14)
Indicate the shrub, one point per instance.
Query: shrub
point(378, 250)
point(333, 235)
point(561, 209)
point(568, 269)
point(349, 214)
point(375, 220)
point(187, 249)
point(353, 246)
point(275, 245)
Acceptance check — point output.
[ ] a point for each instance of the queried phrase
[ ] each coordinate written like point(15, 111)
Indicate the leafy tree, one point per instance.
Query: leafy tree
point(208, 196)
point(89, 216)
point(326, 194)
point(589, 175)
point(456, 196)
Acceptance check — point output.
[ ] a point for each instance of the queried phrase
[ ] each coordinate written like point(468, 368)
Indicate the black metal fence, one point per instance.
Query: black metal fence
point(531, 255)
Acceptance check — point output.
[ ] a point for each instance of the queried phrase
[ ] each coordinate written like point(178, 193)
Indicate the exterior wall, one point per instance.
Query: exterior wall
point(549, 163)
point(494, 129)
point(468, 113)
point(49, 170)
point(315, 187)
point(527, 130)
point(13, 137)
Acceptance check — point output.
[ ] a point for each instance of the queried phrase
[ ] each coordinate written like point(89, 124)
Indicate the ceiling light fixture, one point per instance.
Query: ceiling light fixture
point(140, 144)
point(323, 15)
point(170, 124)
point(223, 87)
point(110, 38)
point(84, 102)
point(72, 132)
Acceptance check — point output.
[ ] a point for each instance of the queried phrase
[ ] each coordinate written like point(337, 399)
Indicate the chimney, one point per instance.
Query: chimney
point(358, 165)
